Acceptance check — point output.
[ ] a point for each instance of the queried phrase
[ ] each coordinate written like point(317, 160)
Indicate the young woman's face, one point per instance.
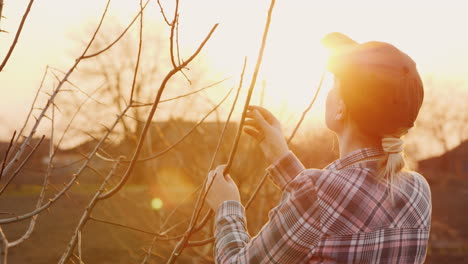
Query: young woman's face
point(334, 108)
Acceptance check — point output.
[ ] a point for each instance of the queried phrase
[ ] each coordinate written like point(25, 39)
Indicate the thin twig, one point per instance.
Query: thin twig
point(168, 217)
point(117, 39)
point(79, 247)
point(171, 38)
point(137, 64)
point(308, 107)
point(183, 95)
point(3, 247)
point(18, 33)
point(177, 44)
point(178, 50)
point(150, 249)
point(32, 105)
point(127, 227)
point(163, 14)
point(21, 166)
point(1, 12)
point(76, 86)
point(5, 159)
point(70, 123)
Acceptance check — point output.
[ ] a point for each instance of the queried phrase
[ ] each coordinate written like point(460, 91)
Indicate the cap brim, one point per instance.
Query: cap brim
point(337, 41)
point(339, 47)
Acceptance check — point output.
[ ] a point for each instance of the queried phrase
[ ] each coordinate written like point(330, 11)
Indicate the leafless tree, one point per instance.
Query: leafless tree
point(122, 90)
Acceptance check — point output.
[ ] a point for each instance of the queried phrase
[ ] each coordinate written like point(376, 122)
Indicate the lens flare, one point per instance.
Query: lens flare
point(156, 203)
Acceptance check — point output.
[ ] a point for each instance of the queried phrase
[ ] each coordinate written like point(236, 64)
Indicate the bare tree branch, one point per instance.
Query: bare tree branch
point(202, 195)
point(69, 184)
point(185, 95)
point(32, 105)
point(76, 86)
point(163, 13)
point(118, 38)
point(18, 33)
point(3, 247)
point(155, 105)
point(32, 223)
point(181, 139)
point(150, 249)
point(120, 184)
point(54, 94)
point(21, 166)
point(6, 154)
point(262, 180)
point(173, 26)
point(85, 216)
point(140, 42)
point(308, 108)
point(128, 227)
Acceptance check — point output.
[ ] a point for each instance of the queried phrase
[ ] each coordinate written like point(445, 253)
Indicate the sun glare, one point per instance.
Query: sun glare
point(293, 60)
point(156, 204)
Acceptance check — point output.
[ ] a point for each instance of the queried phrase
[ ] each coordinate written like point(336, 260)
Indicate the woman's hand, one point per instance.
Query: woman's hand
point(266, 129)
point(222, 189)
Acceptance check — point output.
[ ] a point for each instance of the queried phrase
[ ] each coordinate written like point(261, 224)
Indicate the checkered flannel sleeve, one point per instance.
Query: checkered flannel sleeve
point(285, 169)
point(292, 229)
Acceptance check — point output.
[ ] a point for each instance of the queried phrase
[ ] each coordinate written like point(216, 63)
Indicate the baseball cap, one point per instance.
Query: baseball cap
point(379, 84)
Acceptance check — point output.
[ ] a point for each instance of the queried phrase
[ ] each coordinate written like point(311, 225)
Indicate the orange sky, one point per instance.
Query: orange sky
point(433, 33)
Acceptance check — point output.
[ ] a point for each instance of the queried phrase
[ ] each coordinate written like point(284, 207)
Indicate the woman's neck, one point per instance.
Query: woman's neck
point(351, 139)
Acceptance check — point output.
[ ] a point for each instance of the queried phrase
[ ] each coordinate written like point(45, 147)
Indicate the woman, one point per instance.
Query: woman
point(363, 207)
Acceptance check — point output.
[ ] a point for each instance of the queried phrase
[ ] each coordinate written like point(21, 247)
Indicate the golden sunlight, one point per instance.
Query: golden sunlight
point(114, 112)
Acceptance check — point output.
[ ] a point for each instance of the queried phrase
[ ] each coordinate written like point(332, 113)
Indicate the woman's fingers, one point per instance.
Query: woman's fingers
point(220, 169)
point(256, 120)
point(260, 120)
point(220, 172)
point(256, 126)
point(253, 133)
point(267, 115)
point(252, 123)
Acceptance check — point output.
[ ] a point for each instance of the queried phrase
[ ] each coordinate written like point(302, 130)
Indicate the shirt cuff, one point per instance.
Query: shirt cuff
point(229, 208)
point(285, 169)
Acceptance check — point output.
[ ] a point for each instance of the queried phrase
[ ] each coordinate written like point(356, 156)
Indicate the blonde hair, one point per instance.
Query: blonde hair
point(392, 166)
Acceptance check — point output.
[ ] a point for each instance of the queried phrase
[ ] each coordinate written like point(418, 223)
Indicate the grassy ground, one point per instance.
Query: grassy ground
point(103, 243)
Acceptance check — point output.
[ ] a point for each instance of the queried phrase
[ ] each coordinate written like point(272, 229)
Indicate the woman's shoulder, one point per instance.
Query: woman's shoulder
point(418, 183)
point(418, 177)
point(345, 178)
point(325, 183)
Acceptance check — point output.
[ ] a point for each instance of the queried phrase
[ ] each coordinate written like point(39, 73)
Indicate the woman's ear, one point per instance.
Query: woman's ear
point(341, 111)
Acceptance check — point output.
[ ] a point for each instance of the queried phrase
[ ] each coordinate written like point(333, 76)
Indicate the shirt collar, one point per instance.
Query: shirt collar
point(355, 156)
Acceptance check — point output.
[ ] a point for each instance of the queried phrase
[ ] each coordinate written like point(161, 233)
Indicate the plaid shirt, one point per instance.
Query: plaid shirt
point(341, 214)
